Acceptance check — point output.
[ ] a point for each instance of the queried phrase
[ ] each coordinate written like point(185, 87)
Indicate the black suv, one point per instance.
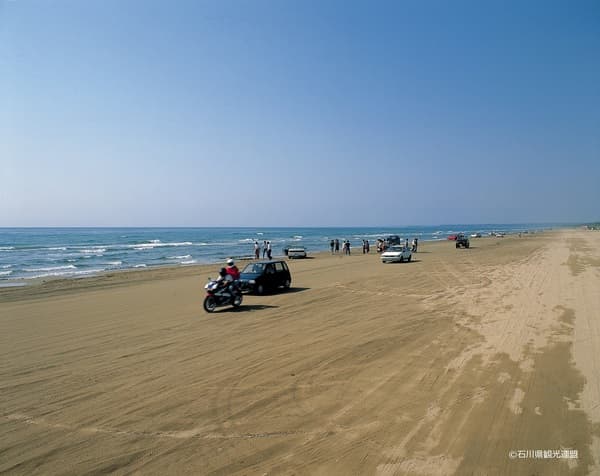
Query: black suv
point(462, 240)
point(263, 276)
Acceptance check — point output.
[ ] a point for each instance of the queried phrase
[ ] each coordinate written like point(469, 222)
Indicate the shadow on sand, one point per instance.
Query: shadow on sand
point(244, 308)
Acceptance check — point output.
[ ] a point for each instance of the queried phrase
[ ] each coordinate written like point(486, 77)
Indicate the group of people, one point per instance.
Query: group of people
point(335, 246)
point(266, 249)
point(413, 246)
point(382, 245)
point(366, 246)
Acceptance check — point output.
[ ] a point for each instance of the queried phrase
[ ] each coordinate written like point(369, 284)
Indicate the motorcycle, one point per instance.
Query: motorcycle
point(215, 297)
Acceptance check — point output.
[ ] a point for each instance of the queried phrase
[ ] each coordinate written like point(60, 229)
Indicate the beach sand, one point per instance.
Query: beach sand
point(439, 366)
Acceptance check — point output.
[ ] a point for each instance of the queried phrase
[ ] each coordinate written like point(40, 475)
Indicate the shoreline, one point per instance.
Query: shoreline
point(51, 254)
point(55, 282)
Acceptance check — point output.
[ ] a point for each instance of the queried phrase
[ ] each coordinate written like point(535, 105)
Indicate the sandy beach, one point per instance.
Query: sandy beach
point(459, 362)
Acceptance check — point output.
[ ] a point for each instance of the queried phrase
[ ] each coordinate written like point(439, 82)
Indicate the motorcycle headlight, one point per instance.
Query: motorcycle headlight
point(252, 281)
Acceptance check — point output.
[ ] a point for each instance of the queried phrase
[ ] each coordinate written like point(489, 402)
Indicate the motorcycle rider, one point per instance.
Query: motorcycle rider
point(224, 280)
point(232, 270)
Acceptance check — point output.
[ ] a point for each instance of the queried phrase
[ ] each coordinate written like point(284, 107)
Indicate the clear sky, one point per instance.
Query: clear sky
point(291, 113)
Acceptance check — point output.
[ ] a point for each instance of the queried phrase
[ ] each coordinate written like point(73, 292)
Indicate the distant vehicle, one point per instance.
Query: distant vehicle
point(452, 237)
point(475, 235)
point(396, 254)
point(462, 240)
point(264, 276)
point(392, 240)
point(296, 252)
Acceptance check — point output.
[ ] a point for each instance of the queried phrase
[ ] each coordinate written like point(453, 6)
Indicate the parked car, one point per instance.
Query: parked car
point(396, 254)
point(392, 240)
point(452, 237)
point(263, 276)
point(462, 240)
point(296, 252)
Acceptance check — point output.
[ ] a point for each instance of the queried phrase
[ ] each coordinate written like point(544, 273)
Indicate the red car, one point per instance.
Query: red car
point(452, 237)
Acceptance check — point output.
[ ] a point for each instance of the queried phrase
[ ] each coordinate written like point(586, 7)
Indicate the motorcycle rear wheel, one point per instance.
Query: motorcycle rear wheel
point(210, 304)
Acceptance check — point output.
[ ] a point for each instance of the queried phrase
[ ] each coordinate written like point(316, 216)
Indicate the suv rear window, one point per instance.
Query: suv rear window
point(279, 267)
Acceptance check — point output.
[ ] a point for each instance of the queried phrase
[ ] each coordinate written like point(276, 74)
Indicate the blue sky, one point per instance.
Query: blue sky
point(289, 113)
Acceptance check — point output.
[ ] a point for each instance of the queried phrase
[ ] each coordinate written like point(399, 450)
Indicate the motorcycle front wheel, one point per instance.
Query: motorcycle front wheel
point(210, 303)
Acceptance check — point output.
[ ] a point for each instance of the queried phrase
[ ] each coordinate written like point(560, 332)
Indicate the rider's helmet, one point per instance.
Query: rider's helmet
point(230, 262)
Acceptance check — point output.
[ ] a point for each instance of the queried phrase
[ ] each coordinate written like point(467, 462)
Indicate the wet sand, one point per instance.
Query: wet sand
point(439, 366)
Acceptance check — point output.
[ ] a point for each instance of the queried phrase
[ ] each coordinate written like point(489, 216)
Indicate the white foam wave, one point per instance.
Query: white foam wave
point(5, 273)
point(65, 274)
point(140, 266)
point(6, 248)
point(115, 263)
point(52, 268)
point(58, 248)
point(6, 266)
point(179, 257)
point(192, 261)
point(92, 250)
point(157, 244)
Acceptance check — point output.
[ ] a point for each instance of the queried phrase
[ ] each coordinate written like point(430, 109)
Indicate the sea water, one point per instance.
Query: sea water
point(30, 253)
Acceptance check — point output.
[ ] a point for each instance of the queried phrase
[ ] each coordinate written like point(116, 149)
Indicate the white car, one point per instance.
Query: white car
point(296, 252)
point(396, 254)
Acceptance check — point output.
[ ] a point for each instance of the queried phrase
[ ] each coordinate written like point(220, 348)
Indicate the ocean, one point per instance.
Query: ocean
point(31, 253)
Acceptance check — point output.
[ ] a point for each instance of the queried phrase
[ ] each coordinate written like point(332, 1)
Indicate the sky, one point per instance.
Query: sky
point(298, 113)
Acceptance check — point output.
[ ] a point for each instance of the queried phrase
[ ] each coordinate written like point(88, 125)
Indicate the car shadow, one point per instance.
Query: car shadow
point(278, 291)
point(295, 290)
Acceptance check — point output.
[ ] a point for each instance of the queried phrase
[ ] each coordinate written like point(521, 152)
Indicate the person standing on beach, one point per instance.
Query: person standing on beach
point(337, 245)
point(256, 250)
point(264, 248)
point(331, 245)
point(269, 249)
point(367, 246)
